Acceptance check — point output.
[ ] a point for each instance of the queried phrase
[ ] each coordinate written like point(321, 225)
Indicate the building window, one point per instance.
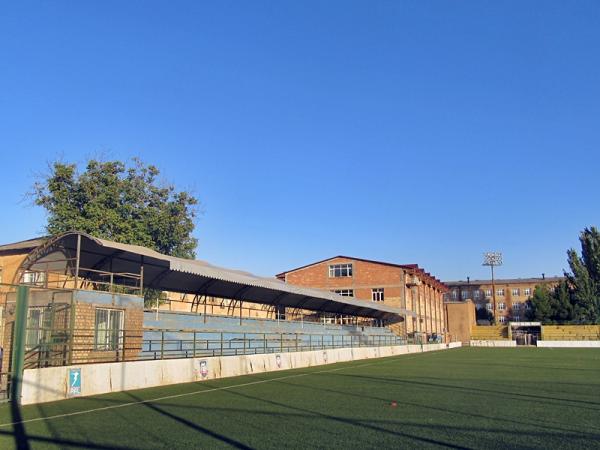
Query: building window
point(340, 270)
point(516, 306)
point(488, 292)
point(377, 294)
point(501, 306)
point(527, 291)
point(35, 327)
point(488, 306)
point(527, 305)
point(454, 294)
point(517, 318)
point(345, 292)
point(500, 292)
point(516, 292)
point(35, 278)
point(502, 319)
point(464, 295)
point(476, 294)
point(109, 329)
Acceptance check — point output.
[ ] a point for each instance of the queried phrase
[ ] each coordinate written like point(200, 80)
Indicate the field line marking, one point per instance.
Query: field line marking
point(206, 391)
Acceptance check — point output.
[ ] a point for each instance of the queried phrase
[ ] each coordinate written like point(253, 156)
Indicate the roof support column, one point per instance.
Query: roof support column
point(77, 260)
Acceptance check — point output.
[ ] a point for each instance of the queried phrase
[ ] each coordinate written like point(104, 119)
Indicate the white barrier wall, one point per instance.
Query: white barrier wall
point(54, 383)
point(504, 343)
point(569, 344)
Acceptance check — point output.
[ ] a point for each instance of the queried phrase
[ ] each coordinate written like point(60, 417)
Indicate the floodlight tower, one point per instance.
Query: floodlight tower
point(493, 259)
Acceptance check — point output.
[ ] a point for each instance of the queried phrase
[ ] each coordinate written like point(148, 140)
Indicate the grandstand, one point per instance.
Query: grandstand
point(489, 333)
point(181, 335)
point(571, 332)
point(85, 306)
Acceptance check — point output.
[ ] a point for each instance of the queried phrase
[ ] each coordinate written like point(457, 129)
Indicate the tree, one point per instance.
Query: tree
point(560, 303)
point(123, 203)
point(585, 277)
point(577, 298)
point(484, 314)
point(541, 305)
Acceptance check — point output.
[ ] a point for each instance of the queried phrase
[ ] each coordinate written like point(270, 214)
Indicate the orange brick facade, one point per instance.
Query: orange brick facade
point(512, 295)
point(403, 287)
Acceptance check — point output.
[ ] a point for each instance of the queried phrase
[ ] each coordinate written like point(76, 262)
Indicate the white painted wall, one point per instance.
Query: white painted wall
point(504, 343)
point(569, 344)
point(51, 383)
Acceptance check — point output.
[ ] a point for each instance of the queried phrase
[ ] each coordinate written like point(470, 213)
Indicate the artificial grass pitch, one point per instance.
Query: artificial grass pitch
point(463, 398)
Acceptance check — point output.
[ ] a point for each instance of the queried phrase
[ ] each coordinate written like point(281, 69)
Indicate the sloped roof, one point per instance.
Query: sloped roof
point(174, 274)
point(413, 268)
point(474, 283)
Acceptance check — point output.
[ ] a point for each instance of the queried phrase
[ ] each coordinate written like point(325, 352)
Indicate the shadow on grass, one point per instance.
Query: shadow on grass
point(19, 433)
point(191, 425)
point(352, 422)
point(439, 385)
point(550, 426)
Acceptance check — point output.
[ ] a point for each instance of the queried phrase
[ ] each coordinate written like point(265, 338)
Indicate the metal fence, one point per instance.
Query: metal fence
point(85, 347)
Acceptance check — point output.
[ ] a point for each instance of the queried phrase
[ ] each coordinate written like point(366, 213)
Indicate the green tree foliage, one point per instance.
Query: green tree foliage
point(577, 298)
point(484, 314)
point(120, 202)
point(585, 277)
point(541, 308)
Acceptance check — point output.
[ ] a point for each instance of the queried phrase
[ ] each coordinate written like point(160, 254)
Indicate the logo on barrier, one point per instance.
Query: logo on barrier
point(74, 382)
point(278, 361)
point(203, 369)
point(324, 356)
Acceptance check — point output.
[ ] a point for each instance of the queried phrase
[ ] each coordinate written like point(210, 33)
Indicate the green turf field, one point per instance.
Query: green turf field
point(464, 398)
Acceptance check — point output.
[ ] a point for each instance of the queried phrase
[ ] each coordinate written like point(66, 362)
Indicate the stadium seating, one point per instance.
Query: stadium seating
point(489, 333)
point(205, 334)
point(571, 332)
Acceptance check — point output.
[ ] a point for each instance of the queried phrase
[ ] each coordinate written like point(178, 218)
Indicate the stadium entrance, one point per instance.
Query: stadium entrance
point(525, 333)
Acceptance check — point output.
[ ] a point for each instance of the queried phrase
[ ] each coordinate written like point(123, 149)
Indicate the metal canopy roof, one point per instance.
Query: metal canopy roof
point(173, 274)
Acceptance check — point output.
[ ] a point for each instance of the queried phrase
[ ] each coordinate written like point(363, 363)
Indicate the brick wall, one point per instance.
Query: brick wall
point(424, 299)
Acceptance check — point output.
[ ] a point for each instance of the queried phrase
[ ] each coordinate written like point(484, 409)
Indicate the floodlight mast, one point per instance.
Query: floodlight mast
point(493, 259)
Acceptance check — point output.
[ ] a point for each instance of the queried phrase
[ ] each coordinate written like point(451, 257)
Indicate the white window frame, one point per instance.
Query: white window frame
point(34, 278)
point(527, 291)
point(344, 292)
point(464, 295)
point(476, 294)
point(500, 292)
point(489, 306)
point(109, 338)
point(340, 270)
point(488, 292)
point(516, 306)
point(377, 295)
point(501, 306)
point(516, 292)
point(502, 319)
point(34, 327)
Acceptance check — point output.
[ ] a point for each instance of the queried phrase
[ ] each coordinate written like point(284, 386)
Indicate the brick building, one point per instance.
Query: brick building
point(400, 285)
point(512, 295)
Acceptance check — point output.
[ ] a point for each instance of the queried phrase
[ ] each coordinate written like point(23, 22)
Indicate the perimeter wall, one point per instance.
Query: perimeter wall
point(52, 383)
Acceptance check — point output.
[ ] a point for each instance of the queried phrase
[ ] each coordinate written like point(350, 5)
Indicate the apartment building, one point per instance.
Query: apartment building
point(512, 295)
point(404, 286)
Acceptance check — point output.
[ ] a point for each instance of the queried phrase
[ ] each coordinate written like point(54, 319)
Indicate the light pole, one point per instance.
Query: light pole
point(493, 259)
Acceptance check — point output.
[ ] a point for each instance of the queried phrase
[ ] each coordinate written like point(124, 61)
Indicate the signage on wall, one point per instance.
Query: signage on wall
point(325, 356)
point(74, 382)
point(278, 361)
point(203, 368)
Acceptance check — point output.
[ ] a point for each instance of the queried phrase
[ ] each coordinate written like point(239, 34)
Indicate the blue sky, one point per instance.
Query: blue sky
point(407, 131)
